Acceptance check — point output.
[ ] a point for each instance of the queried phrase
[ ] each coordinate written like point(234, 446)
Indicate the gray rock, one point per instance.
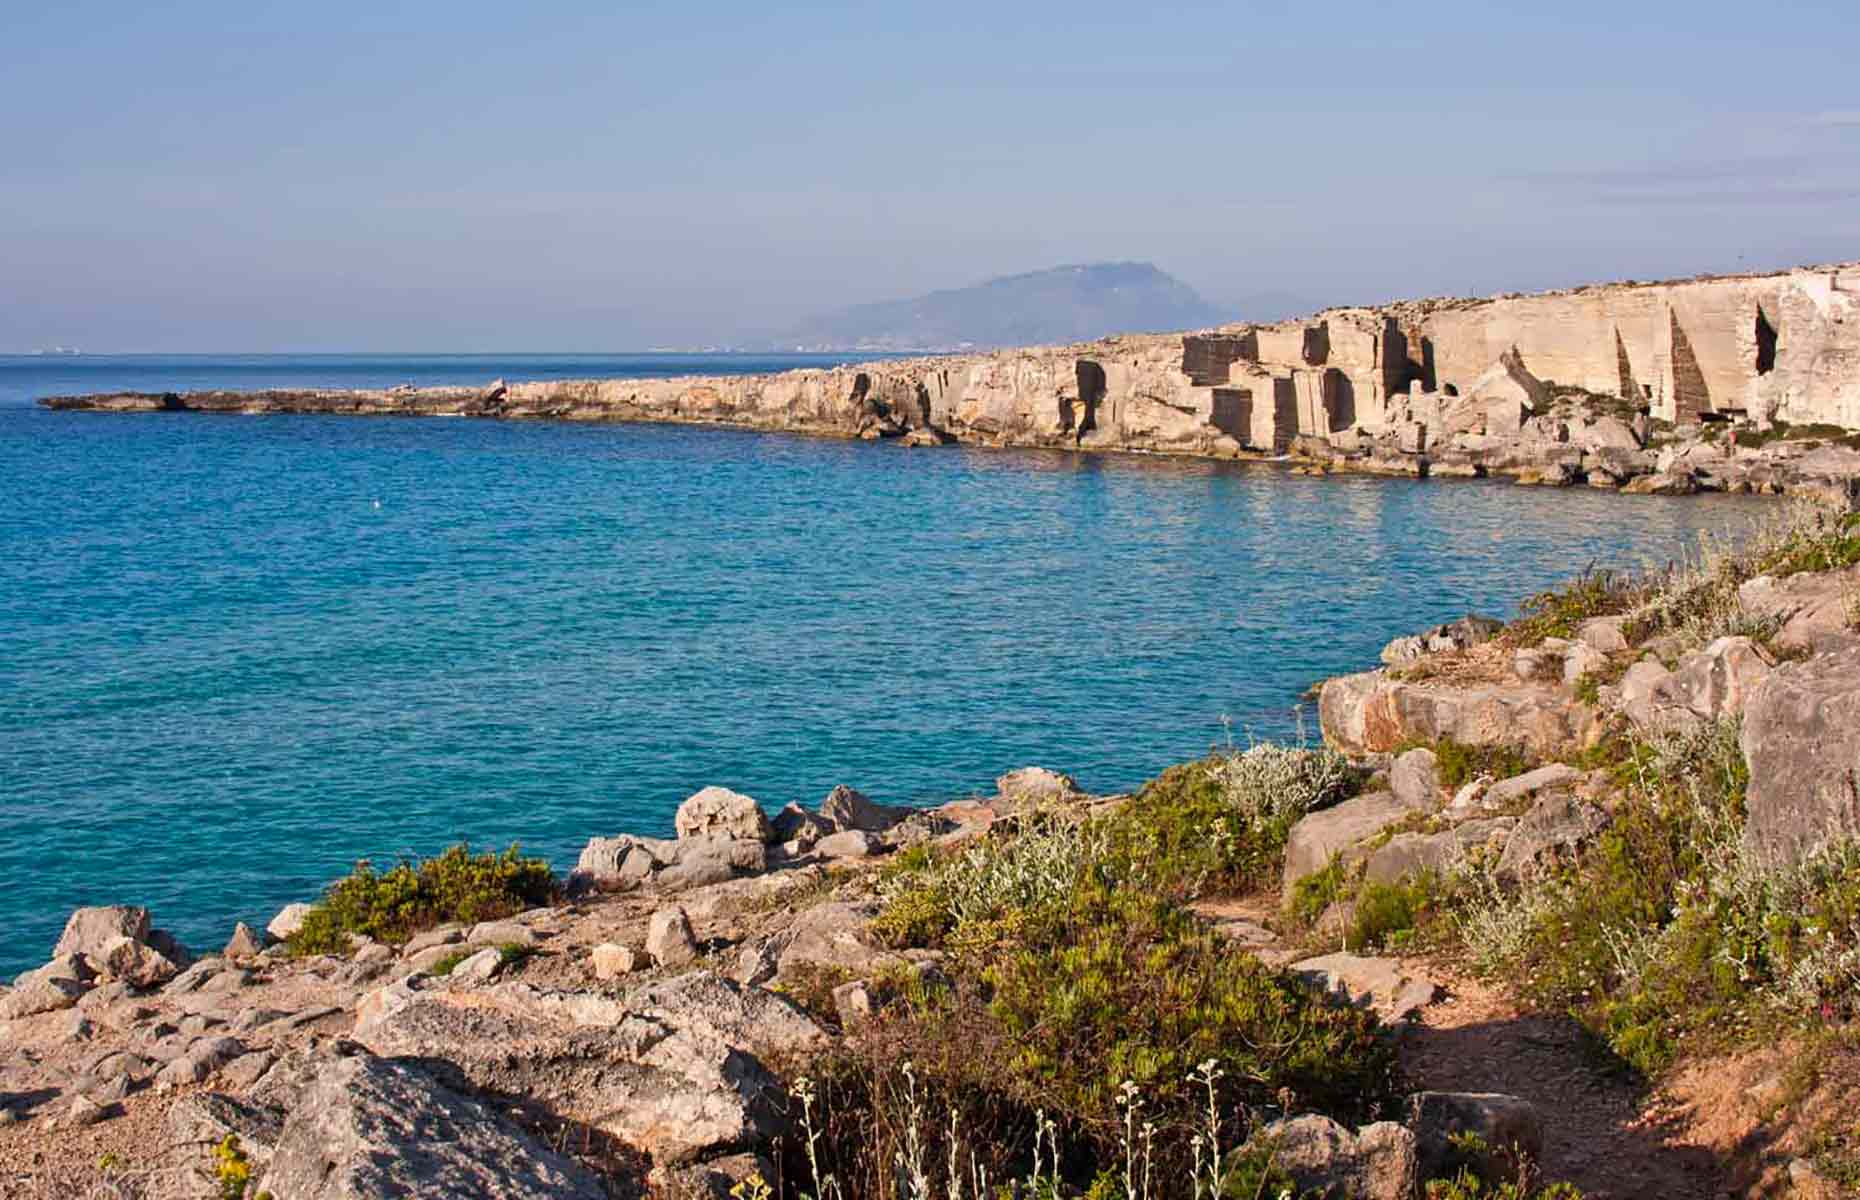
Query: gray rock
point(89, 930)
point(612, 960)
point(430, 957)
point(795, 824)
point(832, 934)
point(848, 809)
point(720, 811)
point(1034, 787)
point(673, 1069)
point(1810, 606)
point(1556, 826)
point(137, 964)
point(1383, 985)
point(1581, 659)
point(289, 920)
point(703, 860)
point(84, 1111)
point(195, 978)
point(1519, 788)
point(500, 933)
point(1414, 779)
point(479, 967)
point(1339, 830)
point(367, 1128)
point(39, 996)
point(445, 935)
point(1377, 1162)
point(1408, 854)
point(850, 843)
point(756, 963)
point(1603, 634)
point(199, 1061)
point(1801, 741)
point(244, 943)
point(1506, 1123)
point(205, 1118)
point(668, 938)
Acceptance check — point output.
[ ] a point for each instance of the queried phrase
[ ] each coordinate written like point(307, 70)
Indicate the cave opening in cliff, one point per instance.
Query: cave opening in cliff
point(1091, 394)
point(1766, 343)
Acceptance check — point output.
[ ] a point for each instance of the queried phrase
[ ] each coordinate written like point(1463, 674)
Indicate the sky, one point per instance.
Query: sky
point(495, 177)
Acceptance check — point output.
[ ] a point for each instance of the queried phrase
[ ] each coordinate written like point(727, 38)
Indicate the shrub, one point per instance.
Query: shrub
point(1388, 915)
point(1560, 611)
point(1220, 824)
point(394, 905)
point(1459, 764)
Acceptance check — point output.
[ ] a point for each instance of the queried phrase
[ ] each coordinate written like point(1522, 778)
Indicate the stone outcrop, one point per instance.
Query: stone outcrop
point(1376, 1162)
point(365, 1127)
point(1539, 387)
point(1801, 739)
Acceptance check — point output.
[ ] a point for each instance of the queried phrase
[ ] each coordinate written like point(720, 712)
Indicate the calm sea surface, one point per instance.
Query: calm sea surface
point(237, 653)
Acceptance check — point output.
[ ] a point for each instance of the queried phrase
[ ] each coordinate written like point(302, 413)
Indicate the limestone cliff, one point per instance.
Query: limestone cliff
point(1463, 387)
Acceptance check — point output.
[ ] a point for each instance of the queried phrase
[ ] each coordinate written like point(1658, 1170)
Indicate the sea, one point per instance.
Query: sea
point(239, 653)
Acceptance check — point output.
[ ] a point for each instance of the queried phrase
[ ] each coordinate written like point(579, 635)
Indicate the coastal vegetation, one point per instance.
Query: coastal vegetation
point(454, 886)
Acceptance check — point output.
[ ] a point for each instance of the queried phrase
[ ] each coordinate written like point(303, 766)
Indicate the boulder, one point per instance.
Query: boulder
point(1509, 380)
point(1383, 985)
point(672, 1070)
point(1510, 1125)
point(479, 967)
point(795, 826)
point(1408, 854)
point(444, 935)
point(1377, 1162)
point(1556, 826)
point(1801, 741)
point(1580, 659)
point(1339, 830)
point(1414, 779)
point(1605, 433)
point(1711, 684)
point(1603, 634)
point(720, 811)
point(501, 933)
point(668, 938)
point(832, 934)
point(289, 920)
point(1372, 713)
point(39, 996)
point(699, 861)
point(200, 1060)
point(76, 968)
point(1462, 634)
point(611, 960)
point(1523, 789)
point(89, 930)
point(850, 843)
point(244, 942)
point(136, 964)
point(1034, 787)
point(1809, 606)
point(848, 808)
point(366, 1128)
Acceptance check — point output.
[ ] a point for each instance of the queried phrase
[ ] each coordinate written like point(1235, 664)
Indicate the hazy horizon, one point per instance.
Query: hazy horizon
point(438, 179)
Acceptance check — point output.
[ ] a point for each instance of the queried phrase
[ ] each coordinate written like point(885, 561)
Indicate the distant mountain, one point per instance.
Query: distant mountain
point(1065, 304)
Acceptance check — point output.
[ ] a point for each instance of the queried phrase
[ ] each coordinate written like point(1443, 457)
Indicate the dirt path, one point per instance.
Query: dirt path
point(1598, 1131)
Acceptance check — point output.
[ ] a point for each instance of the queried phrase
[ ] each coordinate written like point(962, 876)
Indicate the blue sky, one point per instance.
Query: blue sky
point(580, 176)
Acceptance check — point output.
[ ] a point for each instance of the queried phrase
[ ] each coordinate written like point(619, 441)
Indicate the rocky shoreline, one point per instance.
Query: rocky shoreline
point(645, 1034)
point(1738, 384)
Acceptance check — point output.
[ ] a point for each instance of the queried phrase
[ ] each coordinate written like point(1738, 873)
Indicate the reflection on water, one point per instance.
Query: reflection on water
point(237, 654)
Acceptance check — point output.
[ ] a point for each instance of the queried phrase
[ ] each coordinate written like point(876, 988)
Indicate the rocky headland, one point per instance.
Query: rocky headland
point(1569, 903)
point(1739, 383)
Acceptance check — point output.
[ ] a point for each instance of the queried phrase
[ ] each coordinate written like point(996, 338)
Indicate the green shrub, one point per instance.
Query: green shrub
point(1314, 893)
point(1561, 611)
point(1128, 986)
point(1219, 825)
point(1388, 915)
point(392, 906)
point(1459, 764)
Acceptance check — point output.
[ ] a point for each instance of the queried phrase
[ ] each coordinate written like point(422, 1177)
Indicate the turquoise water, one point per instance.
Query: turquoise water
point(237, 653)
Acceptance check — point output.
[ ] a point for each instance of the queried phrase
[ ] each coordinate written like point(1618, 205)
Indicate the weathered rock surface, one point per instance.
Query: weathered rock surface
point(1801, 741)
point(1506, 1123)
point(1408, 854)
point(89, 930)
point(720, 812)
point(1377, 1162)
point(289, 920)
point(1373, 713)
point(1556, 826)
point(669, 942)
point(1342, 830)
point(848, 808)
point(671, 1069)
point(1383, 985)
point(366, 1128)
